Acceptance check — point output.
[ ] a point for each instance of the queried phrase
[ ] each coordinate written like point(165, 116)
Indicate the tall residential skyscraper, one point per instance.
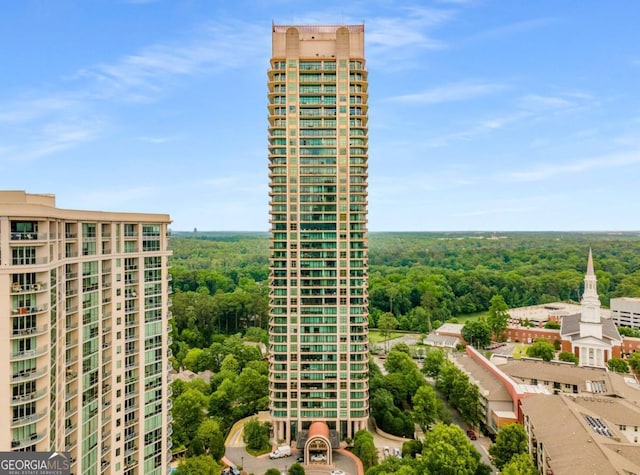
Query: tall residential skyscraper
point(318, 318)
point(85, 298)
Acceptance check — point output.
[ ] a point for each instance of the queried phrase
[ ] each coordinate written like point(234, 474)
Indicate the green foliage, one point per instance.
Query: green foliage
point(411, 447)
point(632, 332)
point(510, 441)
point(256, 435)
point(520, 464)
point(425, 406)
point(634, 361)
point(188, 412)
point(272, 471)
point(477, 333)
point(568, 357)
point(199, 465)
point(460, 393)
point(447, 451)
point(541, 348)
point(364, 449)
point(296, 469)
point(209, 437)
point(432, 362)
point(618, 365)
point(551, 325)
point(498, 316)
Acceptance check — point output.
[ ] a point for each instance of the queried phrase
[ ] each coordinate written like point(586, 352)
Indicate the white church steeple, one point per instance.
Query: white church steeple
point(590, 300)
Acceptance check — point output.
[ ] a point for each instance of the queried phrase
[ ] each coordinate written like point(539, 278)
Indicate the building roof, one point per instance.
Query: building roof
point(560, 425)
point(484, 379)
point(441, 340)
point(318, 428)
point(570, 326)
point(528, 369)
point(451, 328)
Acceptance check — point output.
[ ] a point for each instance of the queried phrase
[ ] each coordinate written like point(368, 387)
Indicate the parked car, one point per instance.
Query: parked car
point(471, 435)
point(338, 472)
point(318, 458)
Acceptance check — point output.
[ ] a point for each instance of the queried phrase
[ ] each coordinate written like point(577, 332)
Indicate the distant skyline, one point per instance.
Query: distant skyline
point(484, 115)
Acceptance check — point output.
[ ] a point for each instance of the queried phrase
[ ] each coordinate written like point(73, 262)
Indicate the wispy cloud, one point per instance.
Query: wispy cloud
point(38, 125)
point(450, 92)
point(512, 28)
point(553, 170)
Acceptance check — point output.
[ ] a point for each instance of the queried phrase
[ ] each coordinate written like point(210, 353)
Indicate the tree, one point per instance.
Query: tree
point(447, 451)
point(200, 465)
point(188, 413)
point(432, 362)
point(510, 441)
point(634, 361)
point(255, 434)
point(386, 323)
point(296, 469)
point(541, 348)
point(498, 316)
point(568, 357)
point(618, 365)
point(399, 362)
point(520, 464)
point(364, 449)
point(425, 406)
point(551, 325)
point(477, 333)
point(273, 471)
point(210, 435)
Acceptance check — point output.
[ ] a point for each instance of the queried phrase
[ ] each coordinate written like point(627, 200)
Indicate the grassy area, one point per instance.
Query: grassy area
point(519, 351)
point(376, 336)
point(470, 317)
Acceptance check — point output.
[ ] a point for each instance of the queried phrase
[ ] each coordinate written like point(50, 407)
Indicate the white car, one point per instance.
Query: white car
point(338, 472)
point(318, 458)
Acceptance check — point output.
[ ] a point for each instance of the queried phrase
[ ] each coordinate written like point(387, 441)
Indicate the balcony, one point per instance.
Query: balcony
point(17, 288)
point(32, 331)
point(27, 375)
point(18, 355)
point(21, 421)
point(31, 236)
point(22, 398)
point(34, 438)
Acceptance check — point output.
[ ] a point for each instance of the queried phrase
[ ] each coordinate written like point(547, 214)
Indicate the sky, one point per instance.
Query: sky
point(489, 115)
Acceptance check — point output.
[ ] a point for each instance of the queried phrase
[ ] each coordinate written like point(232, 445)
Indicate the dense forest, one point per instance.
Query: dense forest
point(220, 280)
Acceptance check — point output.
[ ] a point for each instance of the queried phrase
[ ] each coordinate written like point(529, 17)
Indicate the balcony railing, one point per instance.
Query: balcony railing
point(34, 438)
point(29, 353)
point(33, 236)
point(20, 421)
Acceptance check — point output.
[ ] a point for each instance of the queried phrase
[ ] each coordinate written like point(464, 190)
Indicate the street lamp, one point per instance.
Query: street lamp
point(242, 462)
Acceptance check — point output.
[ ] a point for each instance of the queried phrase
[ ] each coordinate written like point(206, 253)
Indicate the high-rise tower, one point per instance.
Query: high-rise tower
point(84, 299)
point(318, 149)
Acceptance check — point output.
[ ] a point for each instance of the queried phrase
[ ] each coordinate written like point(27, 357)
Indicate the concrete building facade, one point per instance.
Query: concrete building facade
point(625, 312)
point(85, 296)
point(318, 154)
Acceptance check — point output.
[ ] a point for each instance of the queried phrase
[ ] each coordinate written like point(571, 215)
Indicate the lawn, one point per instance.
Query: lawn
point(376, 336)
point(470, 317)
point(519, 351)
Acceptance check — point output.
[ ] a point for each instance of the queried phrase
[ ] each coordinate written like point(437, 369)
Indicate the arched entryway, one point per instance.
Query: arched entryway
point(317, 449)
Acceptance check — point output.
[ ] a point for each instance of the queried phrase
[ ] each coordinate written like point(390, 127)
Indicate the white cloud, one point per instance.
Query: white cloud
point(553, 170)
point(450, 92)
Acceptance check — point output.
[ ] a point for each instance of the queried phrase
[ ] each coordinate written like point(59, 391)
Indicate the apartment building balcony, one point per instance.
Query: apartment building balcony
point(20, 355)
point(17, 288)
point(28, 375)
point(104, 465)
point(31, 331)
point(34, 438)
point(70, 428)
point(28, 310)
point(28, 397)
point(24, 420)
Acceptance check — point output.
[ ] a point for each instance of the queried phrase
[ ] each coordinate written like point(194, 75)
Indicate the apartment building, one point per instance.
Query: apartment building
point(318, 151)
point(85, 296)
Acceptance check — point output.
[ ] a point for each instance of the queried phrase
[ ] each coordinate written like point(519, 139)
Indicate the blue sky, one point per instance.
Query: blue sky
point(484, 114)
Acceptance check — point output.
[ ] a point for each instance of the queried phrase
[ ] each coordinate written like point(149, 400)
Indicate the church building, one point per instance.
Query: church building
point(593, 339)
